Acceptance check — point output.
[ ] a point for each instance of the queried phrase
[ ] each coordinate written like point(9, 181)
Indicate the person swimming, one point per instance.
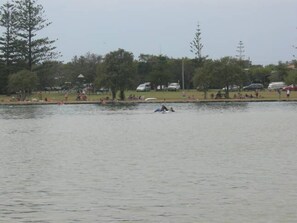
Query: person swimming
point(164, 109)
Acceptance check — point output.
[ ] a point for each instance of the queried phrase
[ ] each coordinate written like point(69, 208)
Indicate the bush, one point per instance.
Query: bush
point(23, 82)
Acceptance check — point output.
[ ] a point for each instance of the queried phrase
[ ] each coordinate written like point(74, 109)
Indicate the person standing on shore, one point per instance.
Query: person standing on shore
point(288, 93)
point(66, 96)
point(40, 96)
point(279, 93)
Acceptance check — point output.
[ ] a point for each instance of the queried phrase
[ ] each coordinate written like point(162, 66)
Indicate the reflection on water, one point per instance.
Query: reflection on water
point(207, 162)
point(222, 106)
point(20, 112)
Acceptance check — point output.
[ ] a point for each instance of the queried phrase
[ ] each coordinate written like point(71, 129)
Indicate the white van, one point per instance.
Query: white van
point(144, 87)
point(276, 85)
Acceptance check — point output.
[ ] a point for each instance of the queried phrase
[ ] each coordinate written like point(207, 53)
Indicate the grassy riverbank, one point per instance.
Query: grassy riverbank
point(179, 96)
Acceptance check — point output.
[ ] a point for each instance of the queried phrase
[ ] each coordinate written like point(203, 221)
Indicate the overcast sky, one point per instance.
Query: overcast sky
point(267, 28)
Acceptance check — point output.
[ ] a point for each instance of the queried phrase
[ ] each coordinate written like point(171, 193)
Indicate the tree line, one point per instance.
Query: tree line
point(30, 62)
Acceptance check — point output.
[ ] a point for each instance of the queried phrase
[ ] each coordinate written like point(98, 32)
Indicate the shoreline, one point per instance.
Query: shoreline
point(143, 102)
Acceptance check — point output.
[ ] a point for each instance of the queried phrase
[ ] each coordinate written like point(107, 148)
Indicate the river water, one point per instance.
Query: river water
point(220, 162)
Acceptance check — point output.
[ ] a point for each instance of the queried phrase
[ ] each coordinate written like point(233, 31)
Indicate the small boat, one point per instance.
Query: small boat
point(150, 99)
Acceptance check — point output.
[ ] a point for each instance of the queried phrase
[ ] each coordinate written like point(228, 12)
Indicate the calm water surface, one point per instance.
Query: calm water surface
point(203, 163)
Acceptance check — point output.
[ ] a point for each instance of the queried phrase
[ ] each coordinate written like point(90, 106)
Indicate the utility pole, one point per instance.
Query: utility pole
point(183, 73)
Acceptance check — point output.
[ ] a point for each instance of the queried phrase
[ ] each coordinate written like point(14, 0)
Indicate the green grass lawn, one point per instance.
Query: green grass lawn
point(187, 95)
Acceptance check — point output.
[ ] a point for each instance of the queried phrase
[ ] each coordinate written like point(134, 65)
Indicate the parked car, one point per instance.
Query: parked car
point(102, 90)
point(47, 88)
point(254, 86)
point(291, 87)
point(144, 87)
point(276, 85)
point(173, 87)
point(231, 88)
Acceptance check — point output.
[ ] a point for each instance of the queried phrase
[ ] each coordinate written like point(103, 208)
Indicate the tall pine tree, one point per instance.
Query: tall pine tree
point(31, 20)
point(7, 43)
point(197, 46)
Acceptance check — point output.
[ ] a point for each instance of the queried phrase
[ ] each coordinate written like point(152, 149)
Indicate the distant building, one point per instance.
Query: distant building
point(291, 66)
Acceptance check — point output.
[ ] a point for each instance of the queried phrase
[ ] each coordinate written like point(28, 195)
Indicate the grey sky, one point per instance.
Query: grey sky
point(266, 27)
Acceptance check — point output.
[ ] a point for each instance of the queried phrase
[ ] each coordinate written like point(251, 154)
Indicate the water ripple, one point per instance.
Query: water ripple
point(203, 163)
